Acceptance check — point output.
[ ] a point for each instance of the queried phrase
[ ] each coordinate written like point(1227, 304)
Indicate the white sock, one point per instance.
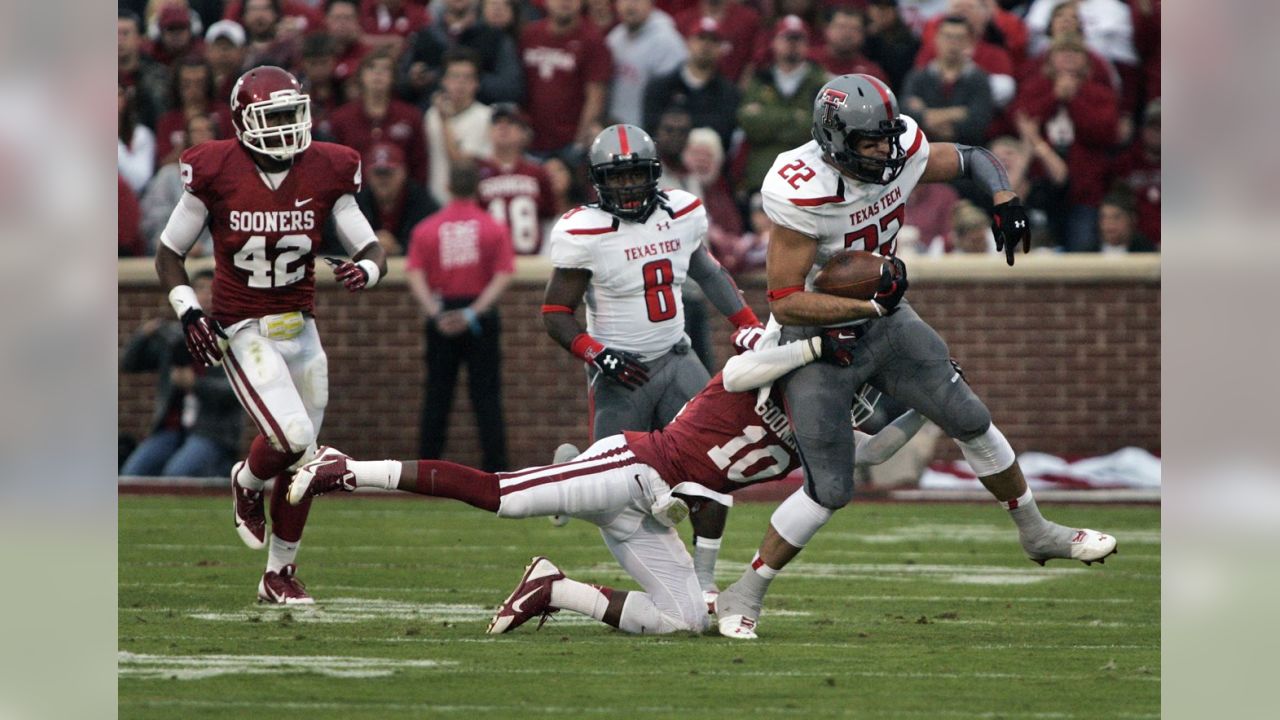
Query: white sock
point(280, 553)
point(579, 597)
point(247, 479)
point(383, 474)
point(641, 616)
point(705, 552)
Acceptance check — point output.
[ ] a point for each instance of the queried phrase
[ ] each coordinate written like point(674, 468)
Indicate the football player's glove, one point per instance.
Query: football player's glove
point(893, 284)
point(202, 334)
point(746, 337)
point(622, 367)
point(350, 274)
point(837, 346)
point(1009, 225)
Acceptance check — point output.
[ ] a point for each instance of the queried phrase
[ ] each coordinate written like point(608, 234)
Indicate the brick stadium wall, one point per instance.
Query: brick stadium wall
point(1066, 355)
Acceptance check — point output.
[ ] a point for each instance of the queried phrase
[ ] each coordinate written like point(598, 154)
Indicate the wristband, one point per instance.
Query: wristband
point(473, 322)
point(585, 347)
point(371, 269)
point(549, 309)
point(183, 298)
point(745, 316)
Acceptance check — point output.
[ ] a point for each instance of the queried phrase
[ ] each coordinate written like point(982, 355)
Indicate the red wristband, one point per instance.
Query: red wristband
point(548, 309)
point(745, 316)
point(776, 295)
point(585, 347)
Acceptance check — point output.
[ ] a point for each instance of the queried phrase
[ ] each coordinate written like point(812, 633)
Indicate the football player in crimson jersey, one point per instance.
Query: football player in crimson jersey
point(630, 255)
point(846, 189)
point(725, 439)
point(265, 197)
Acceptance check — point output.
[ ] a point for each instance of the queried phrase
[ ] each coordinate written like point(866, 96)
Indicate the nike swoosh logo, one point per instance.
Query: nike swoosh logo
point(518, 605)
point(300, 203)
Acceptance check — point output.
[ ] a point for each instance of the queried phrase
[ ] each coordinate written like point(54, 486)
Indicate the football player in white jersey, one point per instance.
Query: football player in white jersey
point(629, 255)
point(847, 189)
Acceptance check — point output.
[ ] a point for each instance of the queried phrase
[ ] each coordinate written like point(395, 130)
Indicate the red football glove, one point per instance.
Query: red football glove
point(746, 337)
point(202, 334)
point(352, 276)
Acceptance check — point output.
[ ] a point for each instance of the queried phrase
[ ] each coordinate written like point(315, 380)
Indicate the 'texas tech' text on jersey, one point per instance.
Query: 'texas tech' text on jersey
point(635, 300)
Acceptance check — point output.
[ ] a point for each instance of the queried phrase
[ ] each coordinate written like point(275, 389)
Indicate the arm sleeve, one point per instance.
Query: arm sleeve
point(185, 223)
point(761, 367)
point(982, 167)
point(877, 448)
point(354, 231)
point(715, 281)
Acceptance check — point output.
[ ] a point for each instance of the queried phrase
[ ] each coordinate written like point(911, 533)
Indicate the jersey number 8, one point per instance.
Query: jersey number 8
point(658, 293)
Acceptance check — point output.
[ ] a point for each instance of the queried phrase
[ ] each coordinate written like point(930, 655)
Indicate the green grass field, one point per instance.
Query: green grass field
point(894, 611)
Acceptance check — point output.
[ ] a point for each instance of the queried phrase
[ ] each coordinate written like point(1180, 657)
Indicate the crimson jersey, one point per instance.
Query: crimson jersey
point(721, 440)
point(519, 197)
point(263, 239)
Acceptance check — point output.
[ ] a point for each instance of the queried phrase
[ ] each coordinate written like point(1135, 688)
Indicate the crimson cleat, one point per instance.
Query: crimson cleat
point(1087, 546)
point(283, 588)
point(326, 472)
point(251, 519)
point(532, 597)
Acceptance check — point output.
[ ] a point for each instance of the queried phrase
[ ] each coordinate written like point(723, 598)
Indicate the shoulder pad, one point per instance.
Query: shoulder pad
point(587, 220)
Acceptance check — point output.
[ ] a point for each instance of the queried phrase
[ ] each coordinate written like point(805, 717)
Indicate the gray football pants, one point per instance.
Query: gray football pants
point(673, 379)
point(901, 356)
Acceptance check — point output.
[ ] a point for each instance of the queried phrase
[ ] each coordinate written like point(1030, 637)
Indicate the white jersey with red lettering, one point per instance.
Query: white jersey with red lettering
point(635, 301)
point(804, 193)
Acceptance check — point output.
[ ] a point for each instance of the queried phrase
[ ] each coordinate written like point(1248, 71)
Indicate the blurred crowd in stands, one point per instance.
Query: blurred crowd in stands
point(1065, 92)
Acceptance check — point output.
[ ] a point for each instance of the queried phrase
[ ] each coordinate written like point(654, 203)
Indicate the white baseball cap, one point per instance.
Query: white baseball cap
point(229, 29)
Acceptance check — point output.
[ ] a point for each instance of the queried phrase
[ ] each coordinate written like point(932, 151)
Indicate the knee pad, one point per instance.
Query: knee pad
point(988, 453)
point(315, 383)
point(799, 518)
point(300, 433)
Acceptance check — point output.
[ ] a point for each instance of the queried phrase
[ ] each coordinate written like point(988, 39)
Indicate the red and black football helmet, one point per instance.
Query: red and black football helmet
point(271, 114)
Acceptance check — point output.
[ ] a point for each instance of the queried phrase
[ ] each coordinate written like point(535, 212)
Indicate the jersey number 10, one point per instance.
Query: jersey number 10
point(735, 470)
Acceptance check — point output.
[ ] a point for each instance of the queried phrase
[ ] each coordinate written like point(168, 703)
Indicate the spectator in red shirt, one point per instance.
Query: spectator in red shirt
point(1138, 170)
point(342, 20)
point(393, 17)
point(224, 48)
point(128, 219)
point(600, 13)
point(176, 39)
point(376, 116)
point(566, 69)
point(738, 26)
point(992, 24)
point(845, 34)
point(460, 262)
point(191, 94)
point(298, 15)
point(703, 161)
point(393, 202)
point(1079, 119)
point(514, 189)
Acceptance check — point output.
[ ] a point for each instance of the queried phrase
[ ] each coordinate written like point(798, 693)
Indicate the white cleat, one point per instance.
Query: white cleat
point(326, 472)
point(738, 627)
point(564, 454)
point(1087, 546)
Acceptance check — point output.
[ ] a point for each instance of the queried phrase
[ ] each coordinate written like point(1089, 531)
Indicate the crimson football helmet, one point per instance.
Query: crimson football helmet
point(270, 113)
point(850, 108)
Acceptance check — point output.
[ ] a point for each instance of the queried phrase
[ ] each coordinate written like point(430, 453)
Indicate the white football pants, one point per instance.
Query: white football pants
point(282, 384)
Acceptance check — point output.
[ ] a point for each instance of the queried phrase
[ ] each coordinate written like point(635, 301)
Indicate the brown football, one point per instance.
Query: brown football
point(851, 274)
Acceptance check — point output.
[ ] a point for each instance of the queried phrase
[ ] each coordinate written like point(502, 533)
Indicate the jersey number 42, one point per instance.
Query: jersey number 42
point(275, 267)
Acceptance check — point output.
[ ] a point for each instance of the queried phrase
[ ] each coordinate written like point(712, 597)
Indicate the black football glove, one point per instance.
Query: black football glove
point(202, 334)
point(893, 284)
point(351, 275)
point(1010, 226)
point(837, 346)
point(622, 367)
